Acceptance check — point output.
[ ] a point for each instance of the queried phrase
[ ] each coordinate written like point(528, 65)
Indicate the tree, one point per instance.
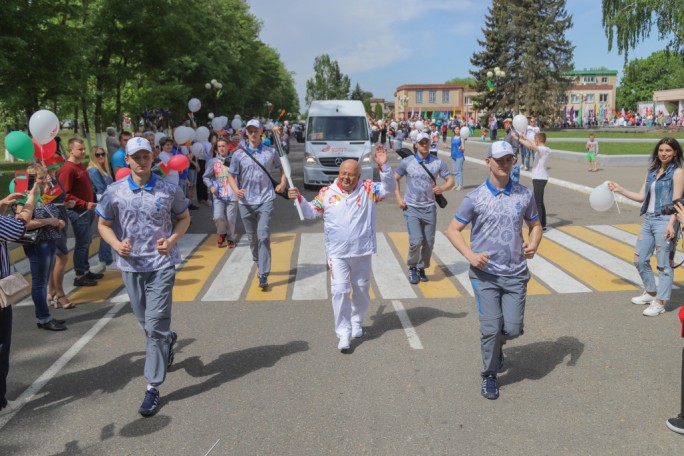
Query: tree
point(328, 82)
point(378, 111)
point(465, 82)
point(630, 21)
point(659, 71)
point(532, 51)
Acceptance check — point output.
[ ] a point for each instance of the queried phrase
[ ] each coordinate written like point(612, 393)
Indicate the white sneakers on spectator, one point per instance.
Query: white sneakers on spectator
point(343, 344)
point(97, 268)
point(643, 299)
point(654, 309)
point(357, 331)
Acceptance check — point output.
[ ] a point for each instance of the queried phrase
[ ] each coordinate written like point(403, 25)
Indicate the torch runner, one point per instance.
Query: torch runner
point(285, 162)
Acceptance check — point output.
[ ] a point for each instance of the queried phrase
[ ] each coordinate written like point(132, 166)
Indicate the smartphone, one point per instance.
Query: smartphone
point(20, 182)
point(31, 181)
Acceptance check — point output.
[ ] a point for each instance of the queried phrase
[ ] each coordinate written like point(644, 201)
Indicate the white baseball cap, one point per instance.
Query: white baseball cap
point(137, 144)
point(253, 123)
point(500, 149)
point(421, 136)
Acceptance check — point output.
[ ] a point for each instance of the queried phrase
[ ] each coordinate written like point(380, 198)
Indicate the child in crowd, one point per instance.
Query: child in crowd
point(592, 153)
point(484, 134)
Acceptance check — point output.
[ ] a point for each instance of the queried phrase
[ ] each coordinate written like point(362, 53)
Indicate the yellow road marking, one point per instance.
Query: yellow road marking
point(282, 246)
point(194, 273)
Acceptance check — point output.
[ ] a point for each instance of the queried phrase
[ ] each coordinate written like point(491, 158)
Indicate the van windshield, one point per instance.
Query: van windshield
point(337, 129)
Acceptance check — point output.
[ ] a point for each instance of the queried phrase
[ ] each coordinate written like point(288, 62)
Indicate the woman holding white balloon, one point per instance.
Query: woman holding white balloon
point(664, 183)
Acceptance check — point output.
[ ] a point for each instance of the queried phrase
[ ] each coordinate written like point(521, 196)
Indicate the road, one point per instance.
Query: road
point(258, 372)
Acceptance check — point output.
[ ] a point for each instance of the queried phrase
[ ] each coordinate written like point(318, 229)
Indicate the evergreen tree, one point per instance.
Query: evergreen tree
point(526, 40)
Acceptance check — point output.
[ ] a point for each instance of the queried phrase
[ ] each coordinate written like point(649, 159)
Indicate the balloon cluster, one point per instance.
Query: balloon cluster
point(44, 126)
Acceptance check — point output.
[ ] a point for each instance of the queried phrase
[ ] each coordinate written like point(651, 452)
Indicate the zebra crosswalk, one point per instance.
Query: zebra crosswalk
point(571, 259)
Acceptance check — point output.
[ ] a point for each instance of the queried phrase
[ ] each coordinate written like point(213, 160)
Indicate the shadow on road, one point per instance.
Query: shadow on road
point(536, 360)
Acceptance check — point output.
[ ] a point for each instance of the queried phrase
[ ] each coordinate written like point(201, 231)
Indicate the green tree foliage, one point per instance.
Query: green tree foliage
point(526, 40)
point(108, 57)
point(465, 82)
point(378, 111)
point(659, 71)
point(359, 94)
point(328, 82)
point(627, 22)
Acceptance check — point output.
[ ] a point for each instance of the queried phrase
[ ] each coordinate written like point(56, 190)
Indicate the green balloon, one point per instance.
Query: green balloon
point(19, 144)
point(11, 186)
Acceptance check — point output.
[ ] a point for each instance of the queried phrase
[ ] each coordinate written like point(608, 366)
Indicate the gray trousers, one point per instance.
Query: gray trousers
point(421, 223)
point(257, 221)
point(225, 217)
point(501, 307)
point(150, 296)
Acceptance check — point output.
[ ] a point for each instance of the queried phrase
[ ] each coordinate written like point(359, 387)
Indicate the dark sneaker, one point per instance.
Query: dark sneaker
point(174, 337)
point(150, 404)
point(93, 276)
point(52, 325)
point(84, 281)
point(490, 387)
point(263, 281)
point(422, 276)
point(192, 207)
point(413, 275)
point(676, 424)
point(500, 361)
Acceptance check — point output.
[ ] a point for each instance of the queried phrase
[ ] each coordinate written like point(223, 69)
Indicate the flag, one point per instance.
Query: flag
point(412, 113)
point(572, 113)
point(420, 112)
point(490, 86)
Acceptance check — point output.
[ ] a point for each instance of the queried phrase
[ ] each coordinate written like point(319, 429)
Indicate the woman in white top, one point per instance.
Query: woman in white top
point(540, 175)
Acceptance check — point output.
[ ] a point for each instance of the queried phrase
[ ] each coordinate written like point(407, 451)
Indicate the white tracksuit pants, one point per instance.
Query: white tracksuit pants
point(347, 275)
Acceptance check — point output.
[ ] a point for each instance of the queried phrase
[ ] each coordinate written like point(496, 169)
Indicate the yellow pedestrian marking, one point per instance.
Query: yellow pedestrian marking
point(439, 285)
point(197, 268)
point(282, 246)
point(588, 272)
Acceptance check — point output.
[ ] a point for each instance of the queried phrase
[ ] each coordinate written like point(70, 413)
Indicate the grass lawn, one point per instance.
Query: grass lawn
point(606, 148)
point(620, 133)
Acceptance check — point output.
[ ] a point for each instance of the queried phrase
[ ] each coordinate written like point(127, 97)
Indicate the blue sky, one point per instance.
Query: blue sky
point(382, 44)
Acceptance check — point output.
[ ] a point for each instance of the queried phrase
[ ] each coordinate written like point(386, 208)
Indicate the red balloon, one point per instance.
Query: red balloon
point(178, 162)
point(122, 173)
point(45, 151)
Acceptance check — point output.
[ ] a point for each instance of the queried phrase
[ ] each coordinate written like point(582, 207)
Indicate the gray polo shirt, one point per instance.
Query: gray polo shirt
point(143, 215)
point(497, 217)
point(419, 184)
point(250, 177)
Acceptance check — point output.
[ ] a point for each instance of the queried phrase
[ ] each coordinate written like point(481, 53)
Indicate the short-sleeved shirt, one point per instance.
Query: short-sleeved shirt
point(119, 159)
point(143, 215)
point(419, 184)
point(456, 151)
point(250, 177)
point(497, 217)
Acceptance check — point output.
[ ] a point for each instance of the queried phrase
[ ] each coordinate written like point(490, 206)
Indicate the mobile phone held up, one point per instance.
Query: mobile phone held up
point(21, 182)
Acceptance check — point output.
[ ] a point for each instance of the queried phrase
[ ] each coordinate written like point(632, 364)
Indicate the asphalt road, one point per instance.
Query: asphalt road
point(591, 375)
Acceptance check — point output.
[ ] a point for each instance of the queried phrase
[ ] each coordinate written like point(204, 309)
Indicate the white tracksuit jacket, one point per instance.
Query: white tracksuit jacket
point(349, 220)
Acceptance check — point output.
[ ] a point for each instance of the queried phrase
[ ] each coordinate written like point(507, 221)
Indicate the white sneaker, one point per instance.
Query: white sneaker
point(98, 268)
point(357, 331)
point(643, 299)
point(343, 344)
point(654, 310)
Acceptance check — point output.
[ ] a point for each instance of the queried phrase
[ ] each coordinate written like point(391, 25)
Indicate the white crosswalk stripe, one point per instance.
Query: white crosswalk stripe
point(389, 274)
point(454, 261)
point(234, 274)
point(311, 281)
point(554, 277)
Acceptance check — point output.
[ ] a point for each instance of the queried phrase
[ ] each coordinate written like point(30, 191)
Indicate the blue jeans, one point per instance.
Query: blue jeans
point(527, 155)
point(41, 257)
point(80, 222)
point(458, 170)
point(650, 240)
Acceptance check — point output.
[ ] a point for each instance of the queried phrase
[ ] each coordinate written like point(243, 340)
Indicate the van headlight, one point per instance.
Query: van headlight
point(310, 159)
point(366, 159)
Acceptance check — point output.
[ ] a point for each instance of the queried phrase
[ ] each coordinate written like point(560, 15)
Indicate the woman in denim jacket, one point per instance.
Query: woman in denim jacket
point(664, 183)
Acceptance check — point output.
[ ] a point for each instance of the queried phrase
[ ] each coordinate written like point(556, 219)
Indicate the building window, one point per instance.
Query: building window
point(603, 98)
point(445, 96)
point(574, 98)
point(468, 101)
point(419, 96)
point(433, 97)
point(604, 80)
point(589, 79)
point(590, 98)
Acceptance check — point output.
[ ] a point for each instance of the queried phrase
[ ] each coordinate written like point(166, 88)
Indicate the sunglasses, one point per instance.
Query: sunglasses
point(100, 154)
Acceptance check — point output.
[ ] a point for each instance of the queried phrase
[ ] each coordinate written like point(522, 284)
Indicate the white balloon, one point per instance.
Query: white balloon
point(420, 125)
point(381, 122)
point(413, 134)
point(520, 123)
point(197, 149)
point(207, 86)
point(44, 126)
point(194, 105)
point(210, 115)
point(374, 128)
point(180, 134)
point(157, 136)
point(202, 134)
point(224, 121)
point(191, 133)
point(286, 123)
point(237, 116)
point(216, 123)
point(394, 125)
point(269, 126)
point(601, 198)
point(236, 124)
point(465, 132)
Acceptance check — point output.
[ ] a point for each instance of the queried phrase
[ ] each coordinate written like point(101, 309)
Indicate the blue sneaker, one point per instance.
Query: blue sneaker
point(500, 361)
point(413, 275)
point(422, 276)
point(150, 404)
point(263, 281)
point(490, 387)
point(174, 336)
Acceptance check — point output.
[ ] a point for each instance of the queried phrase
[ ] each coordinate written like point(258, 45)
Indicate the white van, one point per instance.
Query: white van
point(336, 130)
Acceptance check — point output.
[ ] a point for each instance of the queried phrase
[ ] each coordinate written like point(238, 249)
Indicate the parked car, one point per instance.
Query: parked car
point(67, 123)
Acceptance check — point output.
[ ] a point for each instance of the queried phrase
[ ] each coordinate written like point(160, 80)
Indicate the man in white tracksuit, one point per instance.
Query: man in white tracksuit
point(348, 210)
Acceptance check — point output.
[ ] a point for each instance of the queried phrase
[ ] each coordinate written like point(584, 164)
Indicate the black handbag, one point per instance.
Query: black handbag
point(30, 237)
point(439, 199)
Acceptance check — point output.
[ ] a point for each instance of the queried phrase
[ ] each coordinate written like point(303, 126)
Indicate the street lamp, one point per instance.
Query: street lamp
point(496, 74)
point(215, 91)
